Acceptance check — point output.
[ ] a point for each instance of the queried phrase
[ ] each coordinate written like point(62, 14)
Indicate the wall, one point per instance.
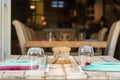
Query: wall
point(40, 12)
point(98, 9)
point(20, 9)
point(37, 12)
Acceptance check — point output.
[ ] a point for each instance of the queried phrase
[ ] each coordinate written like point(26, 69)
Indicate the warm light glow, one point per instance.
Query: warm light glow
point(32, 7)
point(74, 13)
point(44, 23)
point(42, 18)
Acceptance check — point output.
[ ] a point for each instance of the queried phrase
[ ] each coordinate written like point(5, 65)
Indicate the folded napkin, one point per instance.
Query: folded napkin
point(18, 65)
point(103, 66)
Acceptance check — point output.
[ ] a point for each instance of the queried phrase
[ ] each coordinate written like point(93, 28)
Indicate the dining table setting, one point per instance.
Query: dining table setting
point(38, 66)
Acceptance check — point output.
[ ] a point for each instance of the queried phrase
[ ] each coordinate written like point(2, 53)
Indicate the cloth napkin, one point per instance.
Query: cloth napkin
point(18, 65)
point(103, 66)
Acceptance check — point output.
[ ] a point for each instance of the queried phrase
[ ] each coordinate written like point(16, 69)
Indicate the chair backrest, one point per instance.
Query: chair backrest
point(113, 38)
point(21, 34)
point(32, 33)
point(28, 31)
point(101, 34)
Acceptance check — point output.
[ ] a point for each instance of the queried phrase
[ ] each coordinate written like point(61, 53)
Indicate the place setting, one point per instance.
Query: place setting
point(36, 61)
point(87, 62)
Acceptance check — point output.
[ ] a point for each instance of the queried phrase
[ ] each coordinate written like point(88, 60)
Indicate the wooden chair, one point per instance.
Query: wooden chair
point(100, 35)
point(28, 31)
point(113, 38)
point(36, 35)
point(21, 34)
point(32, 33)
point(24, 34)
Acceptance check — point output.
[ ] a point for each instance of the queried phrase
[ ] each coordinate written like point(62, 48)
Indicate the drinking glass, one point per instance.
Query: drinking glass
point(81, 36)
point(86, 54)
point(35, 54)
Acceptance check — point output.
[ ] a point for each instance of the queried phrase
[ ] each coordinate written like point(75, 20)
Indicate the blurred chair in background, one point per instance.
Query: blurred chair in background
point(113, 38)
point(25, 33)
point(21, 34)
point(100, 36)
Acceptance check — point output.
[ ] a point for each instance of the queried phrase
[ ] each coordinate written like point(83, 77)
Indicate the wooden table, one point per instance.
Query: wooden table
point(61, 71)
point(73, 44)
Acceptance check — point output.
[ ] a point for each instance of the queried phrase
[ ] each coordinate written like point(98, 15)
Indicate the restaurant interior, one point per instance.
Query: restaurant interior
point(65, 20)
point(59, 40)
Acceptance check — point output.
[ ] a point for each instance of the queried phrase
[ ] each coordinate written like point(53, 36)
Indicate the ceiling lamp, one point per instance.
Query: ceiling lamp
point(32, 7)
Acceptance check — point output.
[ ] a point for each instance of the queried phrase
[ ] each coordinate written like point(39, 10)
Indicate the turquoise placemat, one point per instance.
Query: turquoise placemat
point(18, 63)
point(103, 66)
point(22, 65)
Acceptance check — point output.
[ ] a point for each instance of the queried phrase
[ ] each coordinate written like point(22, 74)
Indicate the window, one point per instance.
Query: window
point(57, 4)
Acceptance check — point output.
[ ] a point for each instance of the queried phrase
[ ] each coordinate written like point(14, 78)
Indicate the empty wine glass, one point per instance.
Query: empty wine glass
point(86, 53)
point(35, 54)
